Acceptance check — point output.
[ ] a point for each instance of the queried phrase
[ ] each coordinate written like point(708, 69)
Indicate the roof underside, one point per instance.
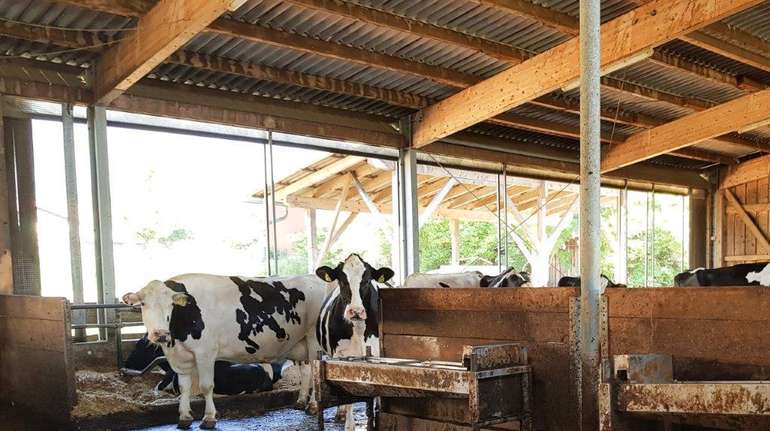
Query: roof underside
point(644, 94)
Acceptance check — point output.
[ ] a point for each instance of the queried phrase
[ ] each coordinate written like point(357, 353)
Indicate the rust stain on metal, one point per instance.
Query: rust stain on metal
point(704, 398)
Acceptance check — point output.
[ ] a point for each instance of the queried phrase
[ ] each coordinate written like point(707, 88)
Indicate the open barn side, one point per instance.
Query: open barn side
point(435, 324)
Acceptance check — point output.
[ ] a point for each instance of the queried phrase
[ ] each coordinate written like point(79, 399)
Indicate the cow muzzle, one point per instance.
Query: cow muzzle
point(355, 313)
point(159, 336)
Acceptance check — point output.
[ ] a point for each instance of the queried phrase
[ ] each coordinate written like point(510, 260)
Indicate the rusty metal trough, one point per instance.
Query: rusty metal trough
point(642, 388)
point(494, 381)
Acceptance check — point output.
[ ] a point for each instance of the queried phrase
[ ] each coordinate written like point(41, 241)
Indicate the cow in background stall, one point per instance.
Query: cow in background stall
point(745, 274)
point(575, 282)
point(468, 279)
point(229, 378)
point(349, 319)
point(200, 318)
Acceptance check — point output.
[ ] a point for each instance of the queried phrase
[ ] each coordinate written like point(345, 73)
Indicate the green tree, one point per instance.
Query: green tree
point(667, 259)
point(295, 260)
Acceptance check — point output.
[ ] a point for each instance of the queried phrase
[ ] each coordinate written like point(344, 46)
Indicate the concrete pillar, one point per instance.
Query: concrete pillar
point(698, 231)
point(590, 209)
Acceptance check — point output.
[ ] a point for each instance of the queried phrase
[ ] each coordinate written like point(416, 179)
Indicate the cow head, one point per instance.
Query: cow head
point(509, 278)
point(156, 301)
point(357, 282)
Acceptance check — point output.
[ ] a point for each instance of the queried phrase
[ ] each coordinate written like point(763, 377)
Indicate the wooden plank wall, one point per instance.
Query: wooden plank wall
point(35, 368)
point(712, 333)
point(750, 184)
point(435, 324)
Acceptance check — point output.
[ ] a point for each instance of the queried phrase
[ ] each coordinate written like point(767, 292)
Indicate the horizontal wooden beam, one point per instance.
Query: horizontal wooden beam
point(751, 170)
point(319, 176)
point(550, 18)
point(732, 43)
point(116, 7)
point(159, 33)
point(741, 113)
point(623, 39)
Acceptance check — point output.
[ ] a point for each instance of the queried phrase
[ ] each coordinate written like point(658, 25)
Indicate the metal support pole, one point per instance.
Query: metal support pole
point(409, 229)
point(268, 248)
point(590, 209)
point(311, 230)
point(500, 248)
point(102, 208)
point(396, 216)
point(505, 216)
point(272, 202)
point(652, 241)
point(73, 216)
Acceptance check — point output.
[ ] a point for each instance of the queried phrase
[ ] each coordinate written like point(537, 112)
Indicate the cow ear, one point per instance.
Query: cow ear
point(132, 299)
point(326, 274)
point(180, 299)
point(383, 274)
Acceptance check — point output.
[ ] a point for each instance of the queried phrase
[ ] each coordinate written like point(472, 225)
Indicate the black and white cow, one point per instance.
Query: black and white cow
point(199, 318)
point(575, 282)
point(468, 279)
point(349, 320)
point(229, 378)
point(745, 274)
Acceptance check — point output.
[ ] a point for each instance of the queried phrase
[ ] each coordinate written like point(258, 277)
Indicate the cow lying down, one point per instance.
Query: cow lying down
point(468, 279)
point(575, 282)
point(198, 319)
point(745, 274)
point(229, 378)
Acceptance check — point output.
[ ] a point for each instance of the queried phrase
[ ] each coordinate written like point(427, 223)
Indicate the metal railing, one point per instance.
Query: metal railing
point(115, 328)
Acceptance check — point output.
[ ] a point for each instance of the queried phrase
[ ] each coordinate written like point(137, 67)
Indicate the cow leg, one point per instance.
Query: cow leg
point(342, 413)
point(185, 414)
point(350, 418)
point(206, 383)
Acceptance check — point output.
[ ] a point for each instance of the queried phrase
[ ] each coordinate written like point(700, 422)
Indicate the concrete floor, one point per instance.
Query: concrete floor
point(279, 420)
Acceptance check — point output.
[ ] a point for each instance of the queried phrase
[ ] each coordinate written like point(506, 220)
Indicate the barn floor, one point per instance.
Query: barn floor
point(279, 420)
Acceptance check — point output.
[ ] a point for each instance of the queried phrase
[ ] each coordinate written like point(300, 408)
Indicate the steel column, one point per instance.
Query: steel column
point(73, 216)
point(102, 209)
point(590, 209)
point(6, 260)
point(409, 221)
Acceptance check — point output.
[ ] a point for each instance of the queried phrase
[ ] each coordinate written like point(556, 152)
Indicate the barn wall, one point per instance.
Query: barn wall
point(435, 324)
point(712, 333)
point(35, 368)
point(736, 242)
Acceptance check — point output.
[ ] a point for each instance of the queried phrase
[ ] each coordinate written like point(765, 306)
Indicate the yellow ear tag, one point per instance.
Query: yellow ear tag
point(327, 278)
point(180, 299)
point(381, 279)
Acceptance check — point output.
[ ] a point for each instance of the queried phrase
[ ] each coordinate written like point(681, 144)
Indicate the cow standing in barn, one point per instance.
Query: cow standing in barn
point(199, 318)
point(349, 319)
point(745, 274)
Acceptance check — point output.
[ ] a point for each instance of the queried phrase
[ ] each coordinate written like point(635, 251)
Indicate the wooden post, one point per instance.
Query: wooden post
point(698, 230)
point(6, 264)
point(454, 232)
point(330, 235)
point(311, 230)
point(621, 262)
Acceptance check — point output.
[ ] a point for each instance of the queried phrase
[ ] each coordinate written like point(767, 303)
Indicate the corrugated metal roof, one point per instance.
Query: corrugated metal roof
point(464, 16)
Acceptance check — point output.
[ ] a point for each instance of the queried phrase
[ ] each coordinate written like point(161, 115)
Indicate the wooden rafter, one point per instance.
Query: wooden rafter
point(548, 17)
point(751, 225)
point(739, 114)
point(320, 175)
point(159, 33)
point(732, 43)
point(623, 39)
point(337, 209)
point(747, 171)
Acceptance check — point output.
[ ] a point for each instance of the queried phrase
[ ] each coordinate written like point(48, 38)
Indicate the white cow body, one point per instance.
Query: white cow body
point(244, 320)
point(457, 280)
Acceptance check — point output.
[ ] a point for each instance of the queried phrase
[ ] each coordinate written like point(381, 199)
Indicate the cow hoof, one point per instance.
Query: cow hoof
point(312, 408)
point(208, 424)
point(184, 424)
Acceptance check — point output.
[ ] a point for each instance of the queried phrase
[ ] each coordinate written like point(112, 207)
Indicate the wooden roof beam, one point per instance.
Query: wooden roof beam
point(741, 114)
point(548, 17)
point(651, 25)
point(159, 33)
point(732, 43)
point(318, 176)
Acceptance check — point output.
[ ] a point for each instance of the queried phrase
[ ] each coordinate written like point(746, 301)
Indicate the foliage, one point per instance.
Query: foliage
point(295, 260)
point(667, 259)
point(149, 235)
point(478, 243)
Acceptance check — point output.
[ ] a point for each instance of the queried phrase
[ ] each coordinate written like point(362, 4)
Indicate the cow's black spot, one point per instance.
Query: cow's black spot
point(442, 284)
point(185, 321)
point(257, 314)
